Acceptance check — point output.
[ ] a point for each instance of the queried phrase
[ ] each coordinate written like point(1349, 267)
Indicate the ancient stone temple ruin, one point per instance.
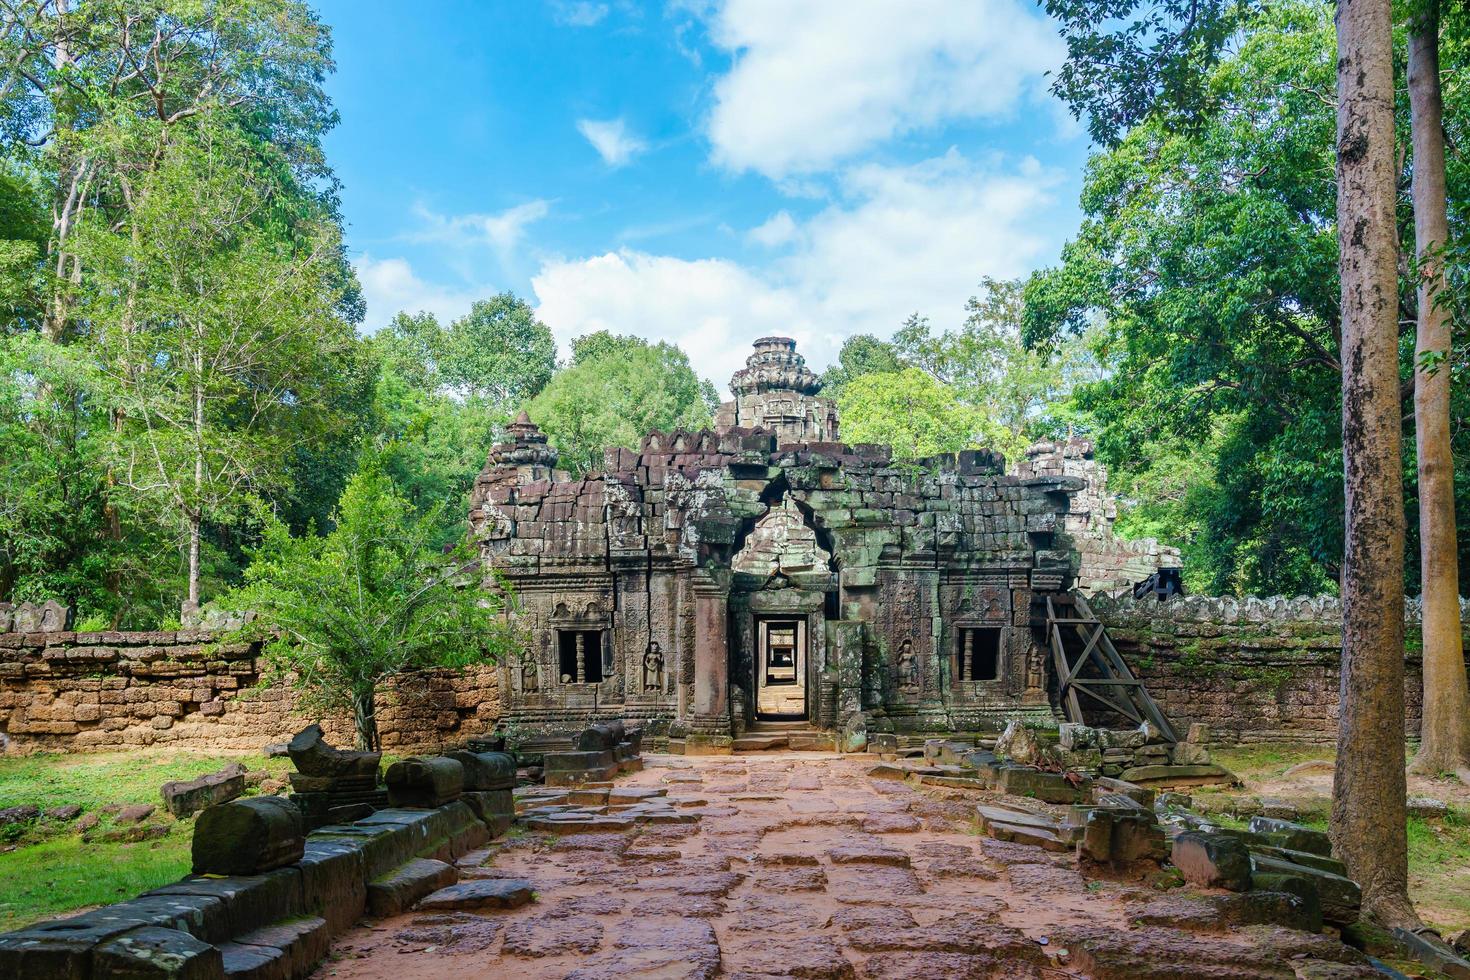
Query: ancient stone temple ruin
point(764, 573)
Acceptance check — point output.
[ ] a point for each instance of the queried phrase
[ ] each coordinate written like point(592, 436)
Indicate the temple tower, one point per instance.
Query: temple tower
point(778, 392)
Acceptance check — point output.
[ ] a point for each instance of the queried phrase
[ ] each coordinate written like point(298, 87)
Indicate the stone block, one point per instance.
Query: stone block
point(186, 798)
point(427, 782)
point(1212, 860)
point(245, 837)
point(333, 882)
point(1293, 836)
point(486, 770)
point(152, 953)
point(481, 893)
point(246, 901)
point(1341, 898)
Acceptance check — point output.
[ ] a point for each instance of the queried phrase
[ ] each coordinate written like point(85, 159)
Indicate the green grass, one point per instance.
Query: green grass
point(94, 781)
point(48, 869)
point(63, 874)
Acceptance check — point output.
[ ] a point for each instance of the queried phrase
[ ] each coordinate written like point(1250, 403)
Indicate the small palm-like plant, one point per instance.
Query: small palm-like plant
point(341, 613)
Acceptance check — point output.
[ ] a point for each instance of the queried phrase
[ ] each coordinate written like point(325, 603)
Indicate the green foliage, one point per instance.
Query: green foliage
point(1129, 59)
point(498, 352)
point(861, 354)
point(1211, 258)
point(217, 333)
point(912, 412)
point(344, 611)
point(615, 391)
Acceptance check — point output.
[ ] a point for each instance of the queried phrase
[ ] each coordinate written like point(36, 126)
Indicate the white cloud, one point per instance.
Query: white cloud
point(817, 81)
point(391, 286)
point(579, 14)
point(611, 139)
point(711, 308)
point(777, 230)
point(900, 239)
point(502, 230)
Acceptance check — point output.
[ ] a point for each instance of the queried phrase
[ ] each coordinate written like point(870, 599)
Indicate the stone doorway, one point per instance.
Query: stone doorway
point(781, 665)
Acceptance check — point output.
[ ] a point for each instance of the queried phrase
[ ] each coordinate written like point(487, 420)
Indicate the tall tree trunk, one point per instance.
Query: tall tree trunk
point(71, 189)
point(1368, 819)
point(1445, 730)
point(196, 509)
point(365, 718)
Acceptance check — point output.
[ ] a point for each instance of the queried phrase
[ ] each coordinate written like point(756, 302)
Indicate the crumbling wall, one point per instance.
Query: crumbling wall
point(1254, 670)
point(1105, 562)
point(69, 691)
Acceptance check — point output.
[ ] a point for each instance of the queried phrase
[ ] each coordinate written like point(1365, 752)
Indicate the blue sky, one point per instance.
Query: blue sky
point(700, 171)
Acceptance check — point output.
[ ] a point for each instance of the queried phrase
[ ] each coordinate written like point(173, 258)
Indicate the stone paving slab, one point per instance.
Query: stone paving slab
point(803, 865)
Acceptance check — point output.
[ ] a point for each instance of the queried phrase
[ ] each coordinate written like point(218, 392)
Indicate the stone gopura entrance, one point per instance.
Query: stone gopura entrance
point(762, 571)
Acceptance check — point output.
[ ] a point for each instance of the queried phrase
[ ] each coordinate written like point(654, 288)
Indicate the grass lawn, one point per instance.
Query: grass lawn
point(48, 869)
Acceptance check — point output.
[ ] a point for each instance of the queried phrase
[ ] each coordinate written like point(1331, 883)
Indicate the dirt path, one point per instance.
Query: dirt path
point(799, 865)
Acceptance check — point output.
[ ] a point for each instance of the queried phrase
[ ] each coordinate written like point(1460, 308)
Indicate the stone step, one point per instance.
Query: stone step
point(398, 890)
point(288, 949)
point(759, 743)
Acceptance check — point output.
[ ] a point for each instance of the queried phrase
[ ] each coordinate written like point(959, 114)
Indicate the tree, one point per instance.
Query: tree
point(1162, 53)
point(440, 435)
point(342, 613)
point(99, 86)
point(861, 354)
point(1368, 789)
point(218, 338)
point(1023, 391)
point(912, 412)
point(498, 352)
point(1119, 71)
point(1207, 266)
point(616, 390)
point(1445, 728)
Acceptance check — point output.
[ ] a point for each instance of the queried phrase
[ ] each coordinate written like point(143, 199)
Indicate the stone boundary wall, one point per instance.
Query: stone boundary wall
point(276, 923)
point(1254, 670)
point(74, 692)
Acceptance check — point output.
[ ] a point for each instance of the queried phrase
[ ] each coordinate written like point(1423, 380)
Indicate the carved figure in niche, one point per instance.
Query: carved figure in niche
point(908, 666)
point(653, 668)
point(530, 682)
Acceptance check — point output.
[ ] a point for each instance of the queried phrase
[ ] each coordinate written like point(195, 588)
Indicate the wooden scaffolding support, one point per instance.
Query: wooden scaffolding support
point(1068, 617)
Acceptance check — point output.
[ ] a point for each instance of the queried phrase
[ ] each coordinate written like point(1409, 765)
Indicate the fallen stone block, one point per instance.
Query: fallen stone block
point(1293, 836)
point(245, 837)
point(1157, 776)
point(1306, 909)
point(1120, 838)
point(1435, 953)
point(888, 770)
point(602, 737)
point(1141, 795)
point(400, 889)
point(1212, 860)
point(188, 797)
point(152, 952)
point(1341, 897)
point(482, 893)
point(1427, 808)
point(1049, 787)
point(312, 756)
